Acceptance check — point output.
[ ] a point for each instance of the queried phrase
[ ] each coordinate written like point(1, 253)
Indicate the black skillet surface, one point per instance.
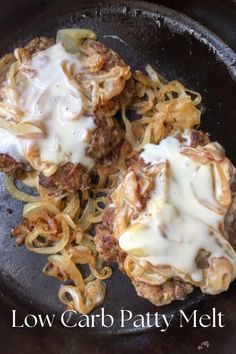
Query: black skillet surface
point(179, 48)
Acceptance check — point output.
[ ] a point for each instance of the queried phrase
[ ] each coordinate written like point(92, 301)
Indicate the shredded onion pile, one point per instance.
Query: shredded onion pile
point(161, 107)
point(61, 226)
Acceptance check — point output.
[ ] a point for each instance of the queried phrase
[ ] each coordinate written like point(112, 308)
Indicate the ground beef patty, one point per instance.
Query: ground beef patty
point(109, 250)
point(104, 142)
point(9, 165)
point(68, 177)
point(39, 43)
point(110, 57)
point(165, 293)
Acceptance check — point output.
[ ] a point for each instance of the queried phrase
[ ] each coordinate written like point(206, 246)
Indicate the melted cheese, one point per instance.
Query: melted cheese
point(46, 95)
point(11, 145)
point(171, 231)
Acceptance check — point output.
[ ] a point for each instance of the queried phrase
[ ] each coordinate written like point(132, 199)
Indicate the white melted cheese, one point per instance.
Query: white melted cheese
point(45, 94)
point(11, 145)
point(171, 232)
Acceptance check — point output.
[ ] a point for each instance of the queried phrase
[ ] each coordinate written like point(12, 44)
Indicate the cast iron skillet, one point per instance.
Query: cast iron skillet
point(179, 48)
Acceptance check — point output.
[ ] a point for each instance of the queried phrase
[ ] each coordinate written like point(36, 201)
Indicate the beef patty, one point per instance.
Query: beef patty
point(108, 246)
point(105, 141)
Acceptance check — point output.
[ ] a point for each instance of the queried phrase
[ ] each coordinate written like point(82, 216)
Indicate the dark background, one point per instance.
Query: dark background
point(219, 17)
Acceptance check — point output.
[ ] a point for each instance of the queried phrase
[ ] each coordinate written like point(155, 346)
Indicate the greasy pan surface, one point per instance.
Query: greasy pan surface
point(178, 48)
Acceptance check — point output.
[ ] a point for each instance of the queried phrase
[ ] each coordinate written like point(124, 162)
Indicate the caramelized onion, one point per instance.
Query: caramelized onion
point(72, 38)
point(16, 193)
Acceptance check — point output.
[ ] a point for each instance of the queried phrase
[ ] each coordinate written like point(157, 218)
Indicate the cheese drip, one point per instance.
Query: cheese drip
point(46, 95)
point(175, 225)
